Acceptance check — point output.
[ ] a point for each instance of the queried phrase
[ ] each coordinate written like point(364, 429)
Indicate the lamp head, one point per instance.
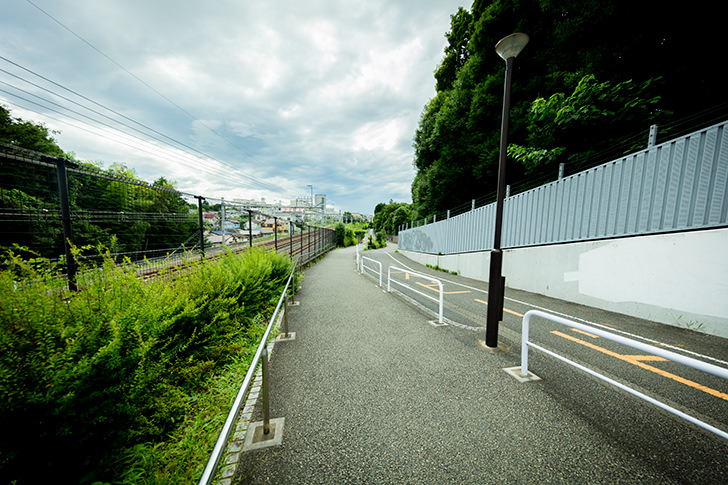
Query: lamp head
point(511, 45)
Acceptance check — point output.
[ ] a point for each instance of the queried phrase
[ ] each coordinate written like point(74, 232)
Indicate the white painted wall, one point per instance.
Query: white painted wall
point(677, 279)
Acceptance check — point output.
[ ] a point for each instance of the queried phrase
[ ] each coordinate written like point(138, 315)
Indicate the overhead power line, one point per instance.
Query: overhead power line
point(259, 183)
point(156, 135)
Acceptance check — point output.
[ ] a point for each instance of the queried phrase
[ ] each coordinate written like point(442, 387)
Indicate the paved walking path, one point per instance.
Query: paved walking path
point(372, 393)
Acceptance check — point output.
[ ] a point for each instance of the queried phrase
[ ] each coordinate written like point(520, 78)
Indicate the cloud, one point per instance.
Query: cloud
point(259, 94)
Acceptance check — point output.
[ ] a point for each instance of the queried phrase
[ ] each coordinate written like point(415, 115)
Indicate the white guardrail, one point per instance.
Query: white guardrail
point(419, 275)
point(363, 267)
point(672, 356)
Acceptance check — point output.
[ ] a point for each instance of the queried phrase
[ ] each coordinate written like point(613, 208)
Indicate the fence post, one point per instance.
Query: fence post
point(290, 237)
point(472, 205)
point(652, 137)
point(561, 170)
point(222, 219)
point(250, 228)
point(65, 219)
point(199, 221)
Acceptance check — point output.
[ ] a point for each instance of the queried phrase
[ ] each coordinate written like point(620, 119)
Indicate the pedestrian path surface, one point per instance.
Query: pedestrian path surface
point(373, 393)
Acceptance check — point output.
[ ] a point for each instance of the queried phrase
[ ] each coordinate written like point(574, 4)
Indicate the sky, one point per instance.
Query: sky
point(273, 99)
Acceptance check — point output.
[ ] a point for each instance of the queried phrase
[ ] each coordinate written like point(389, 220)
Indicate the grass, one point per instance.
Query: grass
point(436, 267)
point(126, 381)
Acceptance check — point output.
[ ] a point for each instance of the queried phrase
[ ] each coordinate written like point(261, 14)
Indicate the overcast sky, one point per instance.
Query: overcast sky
point(260, 98)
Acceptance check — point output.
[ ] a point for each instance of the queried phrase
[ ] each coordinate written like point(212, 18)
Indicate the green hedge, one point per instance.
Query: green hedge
point(86, 376)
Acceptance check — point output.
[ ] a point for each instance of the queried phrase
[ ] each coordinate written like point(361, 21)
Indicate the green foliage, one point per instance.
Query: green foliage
point(389, 217)
point(25, 134)
point(344, 235)
point(91, 374)
point(148, 216)
point(436, 267)
point(377, 242)
point(555, 122)
point(573, 44)
point(340, 234)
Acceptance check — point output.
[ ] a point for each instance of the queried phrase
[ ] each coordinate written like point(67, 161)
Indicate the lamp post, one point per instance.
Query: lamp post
point(507, 48)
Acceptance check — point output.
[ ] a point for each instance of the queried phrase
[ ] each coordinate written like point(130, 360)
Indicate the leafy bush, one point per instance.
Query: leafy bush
point(85, 376)
point(344, 235)
point(379, 242)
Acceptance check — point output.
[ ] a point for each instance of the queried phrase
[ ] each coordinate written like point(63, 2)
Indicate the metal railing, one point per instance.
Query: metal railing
point(672, 356)
point(363, 266)
point(261, 353)
point(419, 275)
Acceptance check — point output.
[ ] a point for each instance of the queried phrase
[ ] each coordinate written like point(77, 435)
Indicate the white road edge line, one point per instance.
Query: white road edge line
point(571, 317)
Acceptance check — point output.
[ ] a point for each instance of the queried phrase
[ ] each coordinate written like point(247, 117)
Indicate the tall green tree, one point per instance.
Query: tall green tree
point(605, 70)
point(389, 217)
point(28, 135)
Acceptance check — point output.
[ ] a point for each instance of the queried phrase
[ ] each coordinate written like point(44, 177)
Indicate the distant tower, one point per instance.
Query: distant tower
point(320, 200)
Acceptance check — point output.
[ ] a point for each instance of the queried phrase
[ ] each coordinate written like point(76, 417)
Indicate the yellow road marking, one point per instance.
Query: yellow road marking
point(636, 360)
point(583, 332)
point(654, 358)
point(436, 288)
point(504, 308)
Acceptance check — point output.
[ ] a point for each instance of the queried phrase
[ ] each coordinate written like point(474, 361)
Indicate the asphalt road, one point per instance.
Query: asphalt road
point(699, 394)
point(373, 393)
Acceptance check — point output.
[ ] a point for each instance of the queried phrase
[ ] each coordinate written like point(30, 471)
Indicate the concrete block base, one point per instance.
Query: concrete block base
point(500, 349)
point(285, 338)
point(516, 372)
point(256, 438)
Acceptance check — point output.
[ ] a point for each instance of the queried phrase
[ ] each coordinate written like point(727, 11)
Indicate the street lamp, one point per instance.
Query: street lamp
point(507, 48)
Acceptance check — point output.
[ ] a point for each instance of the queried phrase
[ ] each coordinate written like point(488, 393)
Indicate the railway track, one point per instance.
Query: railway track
point(306, 245)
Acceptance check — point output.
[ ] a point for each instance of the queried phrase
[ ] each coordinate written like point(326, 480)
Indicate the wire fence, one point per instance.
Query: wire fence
point(79, 214)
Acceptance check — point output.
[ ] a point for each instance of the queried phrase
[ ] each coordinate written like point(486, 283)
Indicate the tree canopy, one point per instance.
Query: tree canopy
point(593, 78)
point(389, 217)
point(113, 207)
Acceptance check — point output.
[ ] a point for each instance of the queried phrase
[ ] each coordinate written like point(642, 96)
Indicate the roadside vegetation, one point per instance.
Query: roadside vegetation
point(126, 381)
point(377, 242)
point(348, 235)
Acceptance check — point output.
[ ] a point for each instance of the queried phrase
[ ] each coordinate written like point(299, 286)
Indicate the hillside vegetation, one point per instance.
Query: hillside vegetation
point(593, 78)
point(126, 381)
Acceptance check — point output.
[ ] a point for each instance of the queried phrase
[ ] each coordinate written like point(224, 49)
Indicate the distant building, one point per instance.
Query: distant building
point(270, 223)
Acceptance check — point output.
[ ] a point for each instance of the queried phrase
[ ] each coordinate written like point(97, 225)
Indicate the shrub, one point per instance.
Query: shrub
point(84, 376)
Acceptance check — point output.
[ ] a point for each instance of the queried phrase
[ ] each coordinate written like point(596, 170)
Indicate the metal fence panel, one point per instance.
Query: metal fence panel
point(681, 184)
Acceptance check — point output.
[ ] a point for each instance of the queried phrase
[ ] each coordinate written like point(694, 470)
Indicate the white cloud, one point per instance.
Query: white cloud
point(291, 93)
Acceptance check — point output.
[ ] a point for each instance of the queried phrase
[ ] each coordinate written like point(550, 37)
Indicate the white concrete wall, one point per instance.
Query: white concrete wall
point(677, 279)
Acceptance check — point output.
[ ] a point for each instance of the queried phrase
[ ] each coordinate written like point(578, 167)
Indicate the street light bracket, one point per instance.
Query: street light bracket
point(511, 45)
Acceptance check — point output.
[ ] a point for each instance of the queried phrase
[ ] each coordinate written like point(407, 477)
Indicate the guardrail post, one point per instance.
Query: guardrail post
point(266, 403)
point(524, 343)
point(285, 316)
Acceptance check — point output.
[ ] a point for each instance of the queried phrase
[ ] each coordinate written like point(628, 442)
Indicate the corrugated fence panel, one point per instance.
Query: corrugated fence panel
point(678, 185)
point(719, 202)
